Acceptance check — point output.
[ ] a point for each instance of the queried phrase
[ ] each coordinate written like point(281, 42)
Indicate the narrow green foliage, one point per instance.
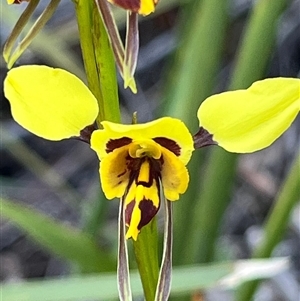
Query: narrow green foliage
point(103, 286)
point(58, 238)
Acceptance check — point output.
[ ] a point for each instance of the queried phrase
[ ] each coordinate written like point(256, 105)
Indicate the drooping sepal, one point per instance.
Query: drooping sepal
point(131, 50)
point(165, 274)
point(123, 262)
point(116, 42)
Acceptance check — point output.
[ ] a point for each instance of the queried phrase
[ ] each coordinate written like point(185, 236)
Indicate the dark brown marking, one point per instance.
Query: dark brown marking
point(169, 144)
point(122, 174)
point(116, 143)
point(203, 138)
point(128, 212)
point(148, 211)
point(86, 133)
point(132, 5)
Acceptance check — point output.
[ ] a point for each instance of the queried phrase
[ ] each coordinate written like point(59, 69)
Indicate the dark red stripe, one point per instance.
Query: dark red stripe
point(132, 5)
point(169, 144)
point(116, 143)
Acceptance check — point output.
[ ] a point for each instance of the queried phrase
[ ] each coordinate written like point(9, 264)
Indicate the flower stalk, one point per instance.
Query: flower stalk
point(98, 61)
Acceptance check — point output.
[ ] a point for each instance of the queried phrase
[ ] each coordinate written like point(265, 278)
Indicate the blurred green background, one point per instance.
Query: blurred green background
point(56, 223)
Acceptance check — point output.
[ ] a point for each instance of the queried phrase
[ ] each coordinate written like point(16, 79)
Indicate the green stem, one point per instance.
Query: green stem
point(98, 60)
point(107, 70)
point(100, 68)
point(146, 253)
point(84, 14)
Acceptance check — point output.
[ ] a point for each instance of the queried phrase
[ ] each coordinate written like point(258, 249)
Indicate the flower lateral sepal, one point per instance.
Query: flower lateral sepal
point(48, 101)
point(248, 120)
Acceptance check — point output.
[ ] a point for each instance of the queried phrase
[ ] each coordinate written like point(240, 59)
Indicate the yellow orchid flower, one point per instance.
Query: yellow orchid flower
point(135, 160)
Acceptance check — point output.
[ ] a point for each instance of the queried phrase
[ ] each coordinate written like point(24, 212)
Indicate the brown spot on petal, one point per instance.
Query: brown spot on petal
point(128, 212)
point(148, 211)
point(169, 144)
point(132, 5)
point(116, 143)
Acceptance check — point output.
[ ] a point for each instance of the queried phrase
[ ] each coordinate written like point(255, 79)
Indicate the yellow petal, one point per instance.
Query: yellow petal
point(248, 120)
point(51, 103)
point(147, 7)
point(167, 131)
point(114, 173)
point(174, 176)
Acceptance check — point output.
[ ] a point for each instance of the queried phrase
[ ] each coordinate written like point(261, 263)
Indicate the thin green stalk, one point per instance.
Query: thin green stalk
point(190, 82)
point(214, 197)
point(98, 60)
point(106, 69)
point(146, 254)
point(100, 69)
point(84, 14)
point(276, 224)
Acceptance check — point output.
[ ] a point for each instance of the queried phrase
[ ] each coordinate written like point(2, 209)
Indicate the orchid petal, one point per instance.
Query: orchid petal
point(248, 120)
point(51, 103)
